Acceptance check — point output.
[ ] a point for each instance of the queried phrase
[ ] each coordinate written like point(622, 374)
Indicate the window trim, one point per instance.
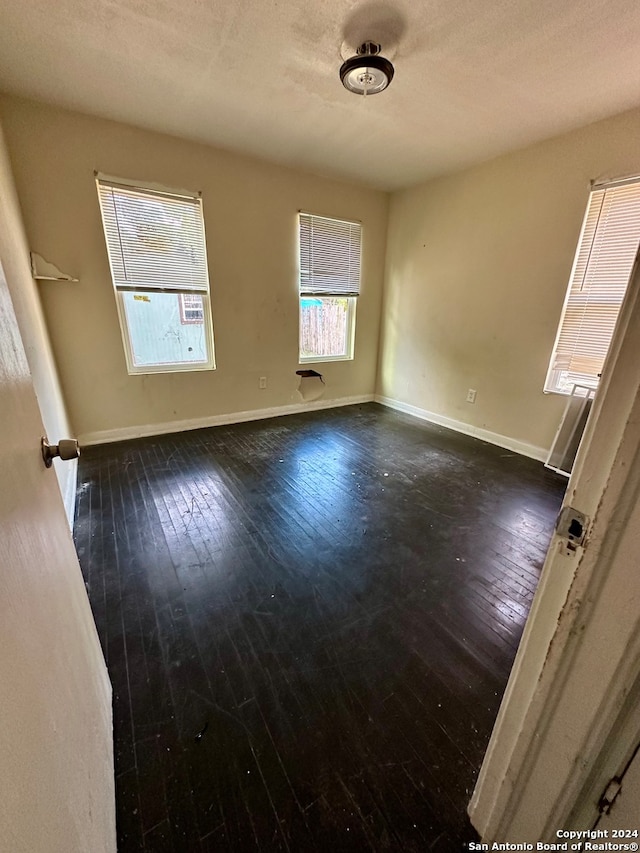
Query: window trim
point(313, 290)
point(134, 369)
point(174, 367)
point(352, 302)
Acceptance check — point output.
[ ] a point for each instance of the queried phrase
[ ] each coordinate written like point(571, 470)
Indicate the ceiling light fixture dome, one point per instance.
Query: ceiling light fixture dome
point(367, 73)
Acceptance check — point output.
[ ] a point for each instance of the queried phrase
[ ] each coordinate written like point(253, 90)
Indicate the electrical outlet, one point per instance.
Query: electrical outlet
point(262, 382)
point(471, 395)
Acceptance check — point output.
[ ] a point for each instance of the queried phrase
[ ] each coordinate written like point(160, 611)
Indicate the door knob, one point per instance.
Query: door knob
point(67, 448)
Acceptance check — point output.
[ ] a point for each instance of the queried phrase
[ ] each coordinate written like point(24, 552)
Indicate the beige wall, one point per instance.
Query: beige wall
point(14, 255)
point(477, 268)
point(250, 212)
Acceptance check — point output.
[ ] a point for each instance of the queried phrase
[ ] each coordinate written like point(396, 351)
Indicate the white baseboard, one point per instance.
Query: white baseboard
point(124, 433)
point(521, 447)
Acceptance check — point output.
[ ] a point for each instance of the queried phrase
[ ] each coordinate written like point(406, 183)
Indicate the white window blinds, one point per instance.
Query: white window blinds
point(155, 240)
point(601, 271)
point(329, 256)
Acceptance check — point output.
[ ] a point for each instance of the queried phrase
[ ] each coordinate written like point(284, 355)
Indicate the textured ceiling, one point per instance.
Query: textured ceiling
point(474, 78)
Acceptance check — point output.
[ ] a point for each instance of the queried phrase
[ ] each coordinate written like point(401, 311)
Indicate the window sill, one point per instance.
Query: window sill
point(146, 371)
point(324, 358)
point(566, 393)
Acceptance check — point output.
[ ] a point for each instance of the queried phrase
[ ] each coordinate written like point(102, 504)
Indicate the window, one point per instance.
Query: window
point(599, 278)
point(329, 287)
point(157, 253)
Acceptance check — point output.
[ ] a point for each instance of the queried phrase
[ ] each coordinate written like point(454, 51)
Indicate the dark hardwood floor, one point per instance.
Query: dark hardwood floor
point(309, 623)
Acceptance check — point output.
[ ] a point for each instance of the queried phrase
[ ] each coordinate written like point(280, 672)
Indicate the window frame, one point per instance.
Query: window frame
point(133, 369)
point(343, 292)
point(170, 367)
point(350, 332)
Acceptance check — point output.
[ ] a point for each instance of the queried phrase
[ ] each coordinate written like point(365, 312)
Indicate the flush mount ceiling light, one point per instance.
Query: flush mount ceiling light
point(366, 73)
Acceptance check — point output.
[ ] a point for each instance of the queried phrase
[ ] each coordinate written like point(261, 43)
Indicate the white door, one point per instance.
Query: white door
point(56, 784)
point(569, 718)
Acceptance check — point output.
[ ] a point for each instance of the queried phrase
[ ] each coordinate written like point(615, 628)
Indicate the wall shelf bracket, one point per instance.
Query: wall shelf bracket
point(45, 271)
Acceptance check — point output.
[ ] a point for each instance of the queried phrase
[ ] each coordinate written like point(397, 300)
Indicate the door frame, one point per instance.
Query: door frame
point(567, 718)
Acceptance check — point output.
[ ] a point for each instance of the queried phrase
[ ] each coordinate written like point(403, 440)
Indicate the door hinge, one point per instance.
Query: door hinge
point(609, 795)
